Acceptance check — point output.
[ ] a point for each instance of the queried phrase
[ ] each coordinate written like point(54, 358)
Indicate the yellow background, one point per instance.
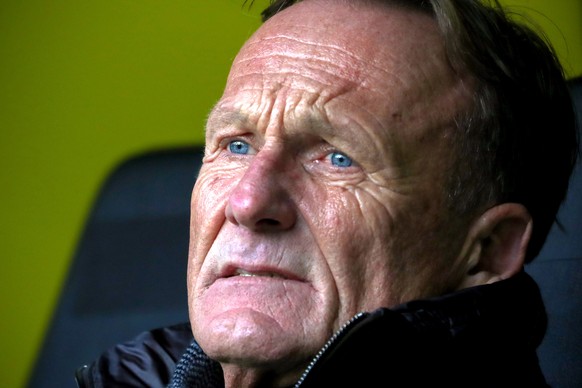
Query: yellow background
point(84, 85)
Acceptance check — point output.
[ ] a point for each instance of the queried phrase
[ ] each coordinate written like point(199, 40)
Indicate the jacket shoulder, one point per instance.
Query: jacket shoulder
point(148, 360)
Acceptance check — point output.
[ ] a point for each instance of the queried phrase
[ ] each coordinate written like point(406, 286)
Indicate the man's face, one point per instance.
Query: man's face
point(322, 189)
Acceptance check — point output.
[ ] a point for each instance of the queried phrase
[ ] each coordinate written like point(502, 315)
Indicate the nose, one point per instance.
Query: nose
point(260, 201)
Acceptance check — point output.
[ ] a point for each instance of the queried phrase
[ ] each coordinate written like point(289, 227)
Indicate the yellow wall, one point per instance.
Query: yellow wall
point(83, 85)
point(561, 21)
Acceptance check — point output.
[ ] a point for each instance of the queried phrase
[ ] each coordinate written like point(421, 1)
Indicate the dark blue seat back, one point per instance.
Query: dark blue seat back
point(129, 272)
point(558, 271)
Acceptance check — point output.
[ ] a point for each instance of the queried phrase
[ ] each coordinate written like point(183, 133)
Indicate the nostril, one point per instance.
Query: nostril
point(268, 222)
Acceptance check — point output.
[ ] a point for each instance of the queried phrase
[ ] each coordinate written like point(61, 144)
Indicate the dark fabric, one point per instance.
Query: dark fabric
point(480, 337)
point(196, 370)
point(147, 361)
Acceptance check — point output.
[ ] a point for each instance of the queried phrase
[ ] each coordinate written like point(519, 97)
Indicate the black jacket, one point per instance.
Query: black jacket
point(484, 336)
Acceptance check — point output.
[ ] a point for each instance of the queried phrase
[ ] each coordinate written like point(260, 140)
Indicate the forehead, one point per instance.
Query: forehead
point(353, 40)
point(362, 67)
point(333, 48)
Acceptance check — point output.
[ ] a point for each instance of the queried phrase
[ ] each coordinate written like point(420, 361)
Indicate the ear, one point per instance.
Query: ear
point(496, 245)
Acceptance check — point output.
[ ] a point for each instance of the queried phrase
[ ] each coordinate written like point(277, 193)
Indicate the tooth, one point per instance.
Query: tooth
point(240, 272)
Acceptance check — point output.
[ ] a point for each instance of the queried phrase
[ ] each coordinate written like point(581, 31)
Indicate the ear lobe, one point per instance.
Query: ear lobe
point(497, 244)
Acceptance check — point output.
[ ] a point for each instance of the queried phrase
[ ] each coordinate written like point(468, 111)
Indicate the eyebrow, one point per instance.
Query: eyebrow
point(220, 117)
point(227, 117)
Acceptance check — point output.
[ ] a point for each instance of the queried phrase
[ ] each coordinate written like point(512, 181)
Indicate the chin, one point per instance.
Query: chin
point(251, 339)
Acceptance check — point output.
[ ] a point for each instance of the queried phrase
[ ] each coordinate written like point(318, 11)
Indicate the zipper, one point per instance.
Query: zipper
point(330, 342)
point(82, 377)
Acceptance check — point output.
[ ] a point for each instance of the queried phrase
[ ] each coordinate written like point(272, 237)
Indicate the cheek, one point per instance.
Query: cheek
point(427, 241)
point(353, 232)
point(209, 198)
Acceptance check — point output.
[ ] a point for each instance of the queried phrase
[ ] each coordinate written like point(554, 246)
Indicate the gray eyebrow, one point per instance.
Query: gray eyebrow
point(219, 116)
point(308, 123)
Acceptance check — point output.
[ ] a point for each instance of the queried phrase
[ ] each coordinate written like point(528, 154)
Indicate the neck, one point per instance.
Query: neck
point(237, 376)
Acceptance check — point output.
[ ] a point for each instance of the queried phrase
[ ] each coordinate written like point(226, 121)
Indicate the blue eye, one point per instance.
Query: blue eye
point(239, 147)
point(340, 160)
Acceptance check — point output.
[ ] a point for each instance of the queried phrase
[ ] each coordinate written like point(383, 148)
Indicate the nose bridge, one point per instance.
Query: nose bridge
point(258, 182)
point(264, 171)
point(261, 199)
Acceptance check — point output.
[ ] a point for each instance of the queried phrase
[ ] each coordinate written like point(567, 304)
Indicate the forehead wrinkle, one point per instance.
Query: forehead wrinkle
point(347, 57)
point(378, 74)
point(317, 76)
point(317, 46)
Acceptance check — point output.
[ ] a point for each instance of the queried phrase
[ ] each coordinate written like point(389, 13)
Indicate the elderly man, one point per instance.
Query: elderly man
point(376, 175)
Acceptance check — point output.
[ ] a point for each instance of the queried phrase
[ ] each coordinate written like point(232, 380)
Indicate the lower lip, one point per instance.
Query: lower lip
point(256, 292)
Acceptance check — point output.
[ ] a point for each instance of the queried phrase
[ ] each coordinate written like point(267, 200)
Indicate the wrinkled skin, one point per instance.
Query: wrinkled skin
point(324, 183)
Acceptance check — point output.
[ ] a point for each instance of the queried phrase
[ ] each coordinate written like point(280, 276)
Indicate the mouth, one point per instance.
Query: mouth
point(267, 272)
point(243, 273)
